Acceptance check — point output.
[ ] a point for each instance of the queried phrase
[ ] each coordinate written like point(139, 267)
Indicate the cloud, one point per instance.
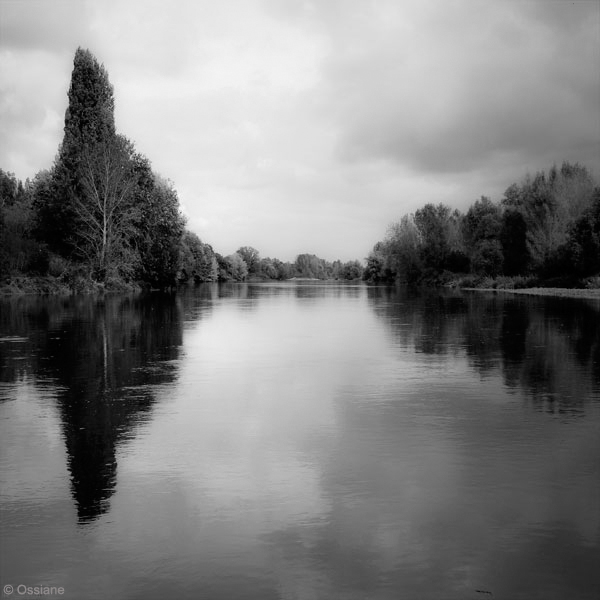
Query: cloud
point(31, 128)
point(455, 86)
point(48, 25)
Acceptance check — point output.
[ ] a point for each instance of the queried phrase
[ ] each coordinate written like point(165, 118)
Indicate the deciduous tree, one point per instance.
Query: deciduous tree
point(159, 234)
point(481, 228)
point(251, 257)
point(104, 212)
point(197, 259)
point(236, 267)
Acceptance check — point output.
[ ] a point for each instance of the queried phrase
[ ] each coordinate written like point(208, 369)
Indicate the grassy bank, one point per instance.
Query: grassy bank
point(533, 286)
point(49, 285)
point(545, 291)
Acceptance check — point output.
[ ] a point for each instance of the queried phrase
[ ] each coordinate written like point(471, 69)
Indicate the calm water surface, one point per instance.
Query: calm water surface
point(293, 441)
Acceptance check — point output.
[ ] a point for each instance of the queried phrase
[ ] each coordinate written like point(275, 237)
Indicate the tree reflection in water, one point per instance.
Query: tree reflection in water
point(549, 347)
point(105, 356)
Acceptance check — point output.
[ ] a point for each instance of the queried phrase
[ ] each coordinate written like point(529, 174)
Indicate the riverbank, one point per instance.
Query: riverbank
point(60, 286)
point(541, 291)
point(54, 286)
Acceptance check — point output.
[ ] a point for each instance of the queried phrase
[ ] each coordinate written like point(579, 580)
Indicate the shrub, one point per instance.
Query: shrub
point(592, 283)
point(57, 265)
point(487, 258)
point(469, 281)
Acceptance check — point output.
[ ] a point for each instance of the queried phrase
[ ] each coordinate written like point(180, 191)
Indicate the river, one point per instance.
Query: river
point(300, 441)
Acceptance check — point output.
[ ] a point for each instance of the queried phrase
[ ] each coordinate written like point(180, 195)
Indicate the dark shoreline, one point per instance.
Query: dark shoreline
point(593, 293)
point(53, 286)
point(24, 285)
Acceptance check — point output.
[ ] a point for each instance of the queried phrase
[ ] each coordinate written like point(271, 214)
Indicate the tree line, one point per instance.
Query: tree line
point(102, 215)
point(546, 228)
point(200, 264)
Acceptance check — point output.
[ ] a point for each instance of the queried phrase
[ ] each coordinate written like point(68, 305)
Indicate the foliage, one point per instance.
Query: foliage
point(159, 234)
point(513, 239)
point(433, 226)
point(310, 266)
point(236, 268)
point(376, 270)
point(481, 227)
point(351, 270)
point(100, 206)
point(283, 270)
point(18, 250)
point(90, 114)
point(550, 204)
point(252, 259)
point(197, 260)
point(481, 222)
point(104, 211)
point(12, 190)
point(487, 258)
point(581, 251)
point(89, 120)
point(268, 269)
point(548, 226)
point(404, 249)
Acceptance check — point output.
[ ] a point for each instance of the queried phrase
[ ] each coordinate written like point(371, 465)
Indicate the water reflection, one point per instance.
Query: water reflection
point(548, 347)
point(290, 289)
point(104, 356)
point(296, 441)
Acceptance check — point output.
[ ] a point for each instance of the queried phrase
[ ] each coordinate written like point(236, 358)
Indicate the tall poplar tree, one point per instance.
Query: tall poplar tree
point(89, 120)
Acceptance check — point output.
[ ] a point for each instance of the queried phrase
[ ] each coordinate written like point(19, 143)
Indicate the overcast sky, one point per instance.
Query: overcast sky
point(296, 126)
